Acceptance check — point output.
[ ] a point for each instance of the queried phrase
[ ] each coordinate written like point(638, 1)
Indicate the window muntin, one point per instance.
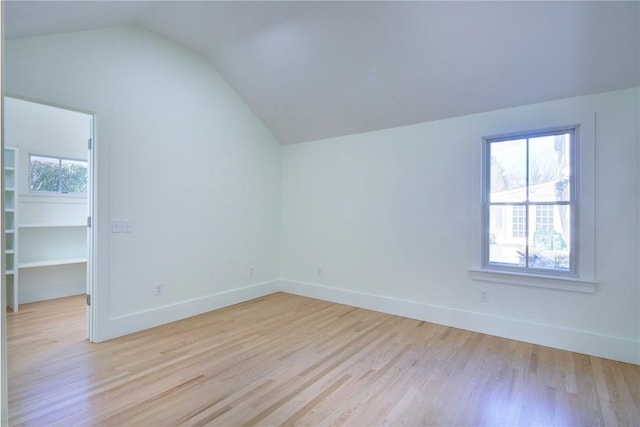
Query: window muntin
point(57, 175)
point(530, 182)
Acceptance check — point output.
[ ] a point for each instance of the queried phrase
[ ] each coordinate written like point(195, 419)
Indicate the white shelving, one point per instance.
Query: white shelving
point(50, 225)
point(52, 262)
point(43, 245)
point(48, 250)
point(10, 222)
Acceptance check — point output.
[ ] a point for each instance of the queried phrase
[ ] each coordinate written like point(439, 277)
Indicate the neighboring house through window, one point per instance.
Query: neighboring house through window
point(544, 218)
point(519, 226)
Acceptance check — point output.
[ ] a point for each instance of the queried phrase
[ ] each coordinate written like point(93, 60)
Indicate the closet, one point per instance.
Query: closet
point(45, 201)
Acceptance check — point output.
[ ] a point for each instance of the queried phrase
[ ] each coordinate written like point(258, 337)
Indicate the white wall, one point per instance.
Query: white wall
point(392, 217)
point(180, 154)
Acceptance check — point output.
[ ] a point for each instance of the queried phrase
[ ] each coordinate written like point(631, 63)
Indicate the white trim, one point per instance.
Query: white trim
point(579, 341)
point(4, 383)
point(48, 198)
point(135, 322)
point(561, 283)
point(92, 310)
point(584, 123)
point(575, 340)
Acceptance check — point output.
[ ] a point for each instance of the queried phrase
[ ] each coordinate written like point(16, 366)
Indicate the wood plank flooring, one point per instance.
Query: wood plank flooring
point(288, 360)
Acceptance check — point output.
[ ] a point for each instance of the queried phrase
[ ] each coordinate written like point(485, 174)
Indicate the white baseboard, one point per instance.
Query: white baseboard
point(579, 341)
point(134, 322)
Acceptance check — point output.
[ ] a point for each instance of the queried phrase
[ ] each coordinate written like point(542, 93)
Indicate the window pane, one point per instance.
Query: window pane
point(506, 245)
point(549, 168)
point(44, 173)
point(549, 242)
point(73, 176)
point(508, 171)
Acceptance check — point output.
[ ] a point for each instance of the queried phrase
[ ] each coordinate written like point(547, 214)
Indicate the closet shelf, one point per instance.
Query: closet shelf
point(50, 225)
point(10, 213)
point(51, 262)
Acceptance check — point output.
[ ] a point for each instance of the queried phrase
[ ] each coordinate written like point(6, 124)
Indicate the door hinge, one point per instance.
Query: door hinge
point(90, 143)
point(89, 222)
point(88, 299)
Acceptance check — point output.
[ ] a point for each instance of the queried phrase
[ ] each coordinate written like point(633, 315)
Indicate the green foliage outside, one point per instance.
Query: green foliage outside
point(53, 175)
point(44, 176)
point(73, 178)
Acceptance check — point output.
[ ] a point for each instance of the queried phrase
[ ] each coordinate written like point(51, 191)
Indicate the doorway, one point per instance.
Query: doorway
point(48, 194)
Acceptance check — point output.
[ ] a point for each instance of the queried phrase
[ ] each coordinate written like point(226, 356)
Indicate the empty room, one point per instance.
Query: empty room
point(320, 213)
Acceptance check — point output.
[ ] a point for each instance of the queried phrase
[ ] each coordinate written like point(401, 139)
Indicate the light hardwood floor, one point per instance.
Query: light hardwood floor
point(289, 360)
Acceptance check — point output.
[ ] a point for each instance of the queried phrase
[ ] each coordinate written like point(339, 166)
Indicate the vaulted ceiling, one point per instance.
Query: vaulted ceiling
point(313, 70)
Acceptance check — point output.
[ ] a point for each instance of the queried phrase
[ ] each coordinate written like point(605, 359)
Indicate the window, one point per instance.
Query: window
point(519, 221)
point(530, 179)
point(544, 218)
point(57, 175)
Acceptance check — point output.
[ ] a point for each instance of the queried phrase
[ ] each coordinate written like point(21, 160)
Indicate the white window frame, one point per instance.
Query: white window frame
point(59, 192)
point(582, 279)
point(527, 204)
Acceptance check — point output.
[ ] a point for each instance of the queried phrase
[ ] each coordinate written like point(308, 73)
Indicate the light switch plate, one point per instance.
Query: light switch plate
point(127, 225)
point(116, 225)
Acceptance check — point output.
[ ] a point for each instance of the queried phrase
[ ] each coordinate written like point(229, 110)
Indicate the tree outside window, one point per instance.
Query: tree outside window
point(57, 175)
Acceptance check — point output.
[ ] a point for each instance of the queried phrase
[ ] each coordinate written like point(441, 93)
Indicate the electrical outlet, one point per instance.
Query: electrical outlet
point(158, 289)
point(252, 271)
point(484, 295)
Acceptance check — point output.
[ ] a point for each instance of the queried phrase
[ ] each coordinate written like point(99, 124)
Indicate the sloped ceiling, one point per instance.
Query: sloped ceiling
point(313, 70)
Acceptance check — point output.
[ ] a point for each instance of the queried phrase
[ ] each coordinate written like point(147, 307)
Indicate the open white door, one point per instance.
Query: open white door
point(90, 231)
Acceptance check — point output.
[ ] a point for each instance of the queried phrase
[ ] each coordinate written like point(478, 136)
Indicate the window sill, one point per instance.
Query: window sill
point(538, 281)
point(52, 198)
